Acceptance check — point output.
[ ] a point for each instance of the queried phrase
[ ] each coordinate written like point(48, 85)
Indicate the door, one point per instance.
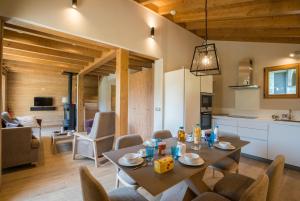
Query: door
point(140, 103)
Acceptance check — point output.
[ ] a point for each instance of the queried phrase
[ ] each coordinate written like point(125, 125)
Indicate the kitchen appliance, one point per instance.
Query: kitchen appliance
point(206, 111)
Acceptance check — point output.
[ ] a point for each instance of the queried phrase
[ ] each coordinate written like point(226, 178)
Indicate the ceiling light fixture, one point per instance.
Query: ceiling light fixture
point(152, 32)
point(74, 4)
point(205, 59)
point(173, 12)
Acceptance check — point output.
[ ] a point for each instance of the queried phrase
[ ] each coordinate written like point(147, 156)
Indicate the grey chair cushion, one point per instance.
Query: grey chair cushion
point(226, 164)
point(125, 194)
point(162, 134)
point(123, 176)
point(232, 186)
point(210, 197)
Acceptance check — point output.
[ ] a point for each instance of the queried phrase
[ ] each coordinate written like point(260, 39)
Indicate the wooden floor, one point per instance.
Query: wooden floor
point(57, 178)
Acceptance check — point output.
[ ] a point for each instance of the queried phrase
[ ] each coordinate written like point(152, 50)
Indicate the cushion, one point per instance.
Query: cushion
point(28, 121)
point(125, 194)
point(233, 186)
point(226, 164)
point(125, 178)
point(209, 196)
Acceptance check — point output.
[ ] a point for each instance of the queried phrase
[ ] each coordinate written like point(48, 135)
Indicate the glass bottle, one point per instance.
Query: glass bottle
point(181, 134)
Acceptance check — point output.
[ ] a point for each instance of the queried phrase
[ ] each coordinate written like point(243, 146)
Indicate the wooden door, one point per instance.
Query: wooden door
point(140, 103)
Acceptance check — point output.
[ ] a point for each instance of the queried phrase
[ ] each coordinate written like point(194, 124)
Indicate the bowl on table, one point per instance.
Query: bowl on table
point(224, 144)
point(191, 157)
point(131, 158)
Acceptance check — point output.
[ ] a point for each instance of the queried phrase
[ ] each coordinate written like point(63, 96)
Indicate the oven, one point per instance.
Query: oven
point(206, 111)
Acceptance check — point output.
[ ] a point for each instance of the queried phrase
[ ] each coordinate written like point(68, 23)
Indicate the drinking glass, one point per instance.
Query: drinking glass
point(174, 151)
point(149, 153)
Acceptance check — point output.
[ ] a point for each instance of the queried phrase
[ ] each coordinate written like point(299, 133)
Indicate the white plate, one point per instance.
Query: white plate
point(231, 147)
point(199, 162)
point(123, 162)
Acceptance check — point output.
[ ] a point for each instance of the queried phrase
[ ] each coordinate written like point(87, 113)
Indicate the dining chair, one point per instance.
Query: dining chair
point(231, 162)
point(123, 142)
point(99, 140)
point(92, 190)
point(233, 185)
point(257, 191)
point(162, 134)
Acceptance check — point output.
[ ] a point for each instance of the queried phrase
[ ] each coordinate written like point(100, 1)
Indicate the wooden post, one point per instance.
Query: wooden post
point(1, 51)
point(80, 103)
point(122, 62)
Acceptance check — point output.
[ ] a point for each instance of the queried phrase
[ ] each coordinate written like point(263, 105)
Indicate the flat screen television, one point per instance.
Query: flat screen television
point(43, 101)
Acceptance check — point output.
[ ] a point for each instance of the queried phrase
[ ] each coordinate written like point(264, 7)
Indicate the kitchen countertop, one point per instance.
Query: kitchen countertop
point(255, 118)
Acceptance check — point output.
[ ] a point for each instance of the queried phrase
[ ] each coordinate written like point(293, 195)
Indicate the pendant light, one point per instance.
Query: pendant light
point(205, 59)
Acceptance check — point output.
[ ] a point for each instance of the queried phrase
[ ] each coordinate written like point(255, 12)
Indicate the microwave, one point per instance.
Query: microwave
point(206, 100)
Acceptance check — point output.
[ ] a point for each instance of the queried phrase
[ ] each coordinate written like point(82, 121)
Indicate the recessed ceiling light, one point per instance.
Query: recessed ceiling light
point(173, 12)
point(292, 54)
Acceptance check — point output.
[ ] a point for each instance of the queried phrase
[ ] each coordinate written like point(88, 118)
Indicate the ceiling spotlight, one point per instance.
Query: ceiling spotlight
point(152, 32)
point(74, 4)
point(173, 12)
point(292, 55)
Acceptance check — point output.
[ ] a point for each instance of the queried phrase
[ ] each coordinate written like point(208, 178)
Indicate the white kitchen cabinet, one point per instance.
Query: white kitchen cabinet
point(182, 100)
point(226, 126)
point(206, 84)
point(284, 139)
point(256, 147)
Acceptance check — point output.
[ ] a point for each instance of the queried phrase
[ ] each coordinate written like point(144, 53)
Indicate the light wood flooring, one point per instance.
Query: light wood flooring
point(57, 178)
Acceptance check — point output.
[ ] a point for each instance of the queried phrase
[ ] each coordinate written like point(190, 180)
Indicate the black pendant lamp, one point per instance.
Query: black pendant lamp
point(205, 58)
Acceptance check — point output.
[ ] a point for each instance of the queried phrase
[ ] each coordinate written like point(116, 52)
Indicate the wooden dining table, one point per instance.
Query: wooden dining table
point(181, 183)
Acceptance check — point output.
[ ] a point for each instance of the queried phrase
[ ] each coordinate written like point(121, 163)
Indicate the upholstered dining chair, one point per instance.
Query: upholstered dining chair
point(162, 134)
point(92, 190)
point(123, 142)
point(99, 140)
point(257, 191)
point(231, 162)
point(233, 185)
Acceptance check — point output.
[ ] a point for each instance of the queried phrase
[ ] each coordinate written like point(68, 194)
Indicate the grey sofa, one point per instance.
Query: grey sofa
point(19, 147)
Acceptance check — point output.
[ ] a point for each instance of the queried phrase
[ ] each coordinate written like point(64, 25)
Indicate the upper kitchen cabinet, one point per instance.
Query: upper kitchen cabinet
point(206, 84)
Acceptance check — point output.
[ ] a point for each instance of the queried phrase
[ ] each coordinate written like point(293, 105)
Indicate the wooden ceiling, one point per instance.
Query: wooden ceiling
point(235, 20)
point(34, 51)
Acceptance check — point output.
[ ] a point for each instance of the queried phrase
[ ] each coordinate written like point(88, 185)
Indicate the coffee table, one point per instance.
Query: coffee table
point(60, 138)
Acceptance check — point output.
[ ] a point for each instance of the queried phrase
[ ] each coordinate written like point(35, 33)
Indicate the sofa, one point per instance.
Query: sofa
point(19, 147)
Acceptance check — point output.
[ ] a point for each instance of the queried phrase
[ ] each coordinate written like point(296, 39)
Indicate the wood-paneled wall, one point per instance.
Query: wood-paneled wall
point(23, 87)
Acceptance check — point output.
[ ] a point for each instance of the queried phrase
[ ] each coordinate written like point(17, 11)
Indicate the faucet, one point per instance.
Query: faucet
point(290, 114)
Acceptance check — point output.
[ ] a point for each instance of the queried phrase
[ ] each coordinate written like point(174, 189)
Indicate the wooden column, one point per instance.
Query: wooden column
point(80, 103)
point(1, 70)
point(122, 61)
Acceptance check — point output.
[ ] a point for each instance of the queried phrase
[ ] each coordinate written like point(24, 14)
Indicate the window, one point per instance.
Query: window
point(282, 81)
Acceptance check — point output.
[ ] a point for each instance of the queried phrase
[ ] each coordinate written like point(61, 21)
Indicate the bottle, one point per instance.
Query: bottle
point(181, 134)
point(197, 134)
point(216, 130)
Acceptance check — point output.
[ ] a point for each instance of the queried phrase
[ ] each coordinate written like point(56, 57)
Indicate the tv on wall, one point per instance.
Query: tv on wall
point(43, 101)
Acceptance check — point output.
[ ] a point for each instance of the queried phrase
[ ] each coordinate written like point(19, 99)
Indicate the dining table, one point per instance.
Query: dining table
point(183, 182)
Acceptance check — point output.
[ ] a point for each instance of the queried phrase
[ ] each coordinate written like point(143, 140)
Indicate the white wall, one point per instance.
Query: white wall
point(122, 23)
point(263, 55)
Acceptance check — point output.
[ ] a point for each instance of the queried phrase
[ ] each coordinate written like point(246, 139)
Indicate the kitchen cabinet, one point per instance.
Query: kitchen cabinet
point(206, 84)
point(182, 100)
point(284, 139)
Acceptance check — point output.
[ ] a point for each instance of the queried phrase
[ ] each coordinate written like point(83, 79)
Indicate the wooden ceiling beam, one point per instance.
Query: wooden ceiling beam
point(43, 56)
point(46, 51)
point(146, 2)
point(40, 61)
point(16, 68)
point(280, 33)
point(25, 38)
point(243, 10)
point(99, 62)
point(283, 22)
point(54, 37)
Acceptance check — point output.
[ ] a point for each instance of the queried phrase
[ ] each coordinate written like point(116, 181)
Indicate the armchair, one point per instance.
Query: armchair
point(99, 140)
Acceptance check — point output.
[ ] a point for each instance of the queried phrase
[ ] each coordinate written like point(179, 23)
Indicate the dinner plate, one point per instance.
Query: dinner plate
point(199, 162)
point(231, 147)
point(123, 162)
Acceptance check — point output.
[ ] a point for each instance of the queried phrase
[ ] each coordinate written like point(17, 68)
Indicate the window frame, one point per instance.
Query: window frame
point(277, 68)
